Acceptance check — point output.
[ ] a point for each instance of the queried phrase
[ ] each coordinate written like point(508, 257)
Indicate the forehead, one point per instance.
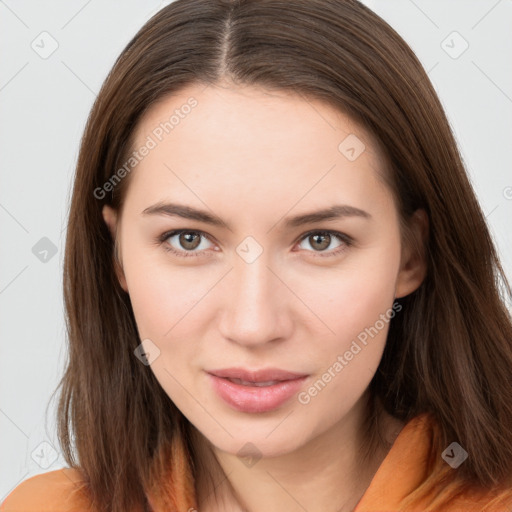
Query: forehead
point(252, 141)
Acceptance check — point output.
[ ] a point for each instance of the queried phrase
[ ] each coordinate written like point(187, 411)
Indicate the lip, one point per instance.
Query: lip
point(261, 375)
point(256, 399)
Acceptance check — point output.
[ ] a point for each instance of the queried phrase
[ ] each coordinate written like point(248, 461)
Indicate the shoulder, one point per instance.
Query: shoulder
point(414, 477)
point(62, 490)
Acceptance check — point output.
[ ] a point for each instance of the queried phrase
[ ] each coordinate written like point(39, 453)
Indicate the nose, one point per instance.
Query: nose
point(255, 310)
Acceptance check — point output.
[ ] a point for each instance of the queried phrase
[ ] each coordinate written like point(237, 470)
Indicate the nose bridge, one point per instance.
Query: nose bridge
point(252, 309)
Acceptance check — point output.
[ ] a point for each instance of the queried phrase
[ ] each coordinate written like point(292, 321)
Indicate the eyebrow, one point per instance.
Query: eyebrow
point(187, 212)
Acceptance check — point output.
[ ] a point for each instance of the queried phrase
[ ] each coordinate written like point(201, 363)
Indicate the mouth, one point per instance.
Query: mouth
point(263, 375)
point(251, 383)
point(255, 391)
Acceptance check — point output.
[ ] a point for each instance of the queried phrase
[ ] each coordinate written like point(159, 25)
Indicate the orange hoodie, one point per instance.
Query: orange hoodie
point(402, 471)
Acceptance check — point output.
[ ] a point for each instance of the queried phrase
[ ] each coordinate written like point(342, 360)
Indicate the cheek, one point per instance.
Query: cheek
point(163, 299)
point(355, 303)
point(347, 360)
point(161, 294)
point(352, 296)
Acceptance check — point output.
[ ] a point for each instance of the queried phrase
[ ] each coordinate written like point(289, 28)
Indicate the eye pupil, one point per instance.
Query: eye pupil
point(316, 237)
point(187, 242)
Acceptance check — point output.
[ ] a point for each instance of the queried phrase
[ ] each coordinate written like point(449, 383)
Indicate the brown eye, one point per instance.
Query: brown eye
point(185, 243)
point(189, 240)
point(320, 241)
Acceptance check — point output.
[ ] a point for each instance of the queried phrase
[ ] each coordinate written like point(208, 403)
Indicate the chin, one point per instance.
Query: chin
point(259, 442)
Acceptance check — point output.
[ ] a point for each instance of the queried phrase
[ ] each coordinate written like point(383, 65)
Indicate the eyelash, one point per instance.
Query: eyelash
point(347, 242)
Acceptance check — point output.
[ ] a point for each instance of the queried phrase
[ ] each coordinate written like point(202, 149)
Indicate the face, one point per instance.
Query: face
point(266, 285)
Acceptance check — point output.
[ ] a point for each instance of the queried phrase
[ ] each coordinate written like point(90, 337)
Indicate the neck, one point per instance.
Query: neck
point(327, 473)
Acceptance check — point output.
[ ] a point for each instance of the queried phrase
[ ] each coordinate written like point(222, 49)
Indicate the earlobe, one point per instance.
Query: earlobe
point(413, 266)
point(110, 218)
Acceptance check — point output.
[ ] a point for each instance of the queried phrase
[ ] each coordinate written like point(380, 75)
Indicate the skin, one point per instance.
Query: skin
point(254, 157)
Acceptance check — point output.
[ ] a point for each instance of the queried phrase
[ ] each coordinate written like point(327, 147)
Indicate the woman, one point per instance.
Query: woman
point(281, 291)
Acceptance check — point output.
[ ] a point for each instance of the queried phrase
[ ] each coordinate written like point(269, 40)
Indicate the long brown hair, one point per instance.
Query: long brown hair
point(448, 352)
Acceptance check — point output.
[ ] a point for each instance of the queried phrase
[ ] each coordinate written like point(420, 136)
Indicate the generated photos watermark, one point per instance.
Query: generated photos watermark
point(305, 397)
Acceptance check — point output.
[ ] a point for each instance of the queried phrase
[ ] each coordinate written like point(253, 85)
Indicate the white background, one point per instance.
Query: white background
point(43, 107)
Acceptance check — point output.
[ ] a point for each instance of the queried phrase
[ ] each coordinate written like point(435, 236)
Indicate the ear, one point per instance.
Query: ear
point(413, 265)
point(110, 218)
